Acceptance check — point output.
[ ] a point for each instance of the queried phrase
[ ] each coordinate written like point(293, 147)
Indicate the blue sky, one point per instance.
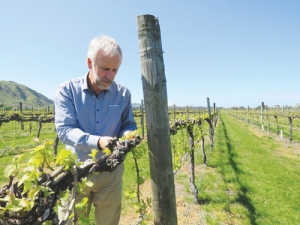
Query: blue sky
point(234, 52)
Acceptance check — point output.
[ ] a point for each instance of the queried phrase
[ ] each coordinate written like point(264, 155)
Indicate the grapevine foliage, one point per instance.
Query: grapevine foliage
point(32, 199)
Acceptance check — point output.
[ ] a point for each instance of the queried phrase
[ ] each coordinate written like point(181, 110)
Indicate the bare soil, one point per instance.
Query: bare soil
point(188, 213)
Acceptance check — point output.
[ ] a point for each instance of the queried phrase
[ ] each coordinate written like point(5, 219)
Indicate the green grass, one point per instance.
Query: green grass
point(12, 137)
point(249, 180)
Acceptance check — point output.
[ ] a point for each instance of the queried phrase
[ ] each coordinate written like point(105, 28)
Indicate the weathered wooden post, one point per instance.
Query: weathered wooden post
point(214, 116)
point(290, 118)
point(267, 118)
point(262, 115)
point(211, 129)
point(21, 111)
point(248, 114)
point(157, 120)
point(187, 113)
point(208, 107)
point(174, 112)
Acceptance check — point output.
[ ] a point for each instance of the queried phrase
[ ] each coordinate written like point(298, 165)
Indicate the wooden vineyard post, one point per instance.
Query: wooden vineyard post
point(214, 108)
point(262, 115)
point(174, 113)
point(157, 120)
point(290, 118)
point(214, 117)
point(21, 111)
point(208, 107)
point(211, 129)
point(38, 132)
point(187, 113)
point(268, 119)
point(248, 114)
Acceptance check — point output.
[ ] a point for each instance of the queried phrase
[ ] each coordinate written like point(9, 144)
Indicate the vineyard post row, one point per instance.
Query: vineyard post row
point(267, 116)
point(173, 112)
point(47, 116)
point(20, 109)
point(22, 116)
point(186, 121)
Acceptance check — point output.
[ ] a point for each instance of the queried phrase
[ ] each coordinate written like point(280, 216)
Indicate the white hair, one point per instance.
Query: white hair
point(104, 43)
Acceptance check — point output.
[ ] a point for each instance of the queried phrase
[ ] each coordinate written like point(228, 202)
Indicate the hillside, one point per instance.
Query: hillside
point(11, 93)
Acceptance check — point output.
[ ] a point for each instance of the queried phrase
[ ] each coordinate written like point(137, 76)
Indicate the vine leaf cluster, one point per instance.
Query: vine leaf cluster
point(48, 180)
point(195, 128)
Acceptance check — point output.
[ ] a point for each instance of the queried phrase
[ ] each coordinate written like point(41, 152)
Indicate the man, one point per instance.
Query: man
point(89, 112)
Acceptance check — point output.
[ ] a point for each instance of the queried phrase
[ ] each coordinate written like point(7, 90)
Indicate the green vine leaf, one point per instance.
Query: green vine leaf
point(25, 177)
point(106, 151)
point(138, 152)
point(13, 170)
point(46, 191)
point(84, 220)
point(81, 206)
point(64, 195)
point(48, 143)
point(93, 154)
point(130, 193)
point(67, 158)
point(141, 180)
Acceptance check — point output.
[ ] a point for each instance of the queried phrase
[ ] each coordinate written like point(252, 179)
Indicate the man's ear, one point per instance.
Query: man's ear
point(89, 63)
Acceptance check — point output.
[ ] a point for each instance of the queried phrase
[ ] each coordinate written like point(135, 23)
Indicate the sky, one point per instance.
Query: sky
point(234, 52)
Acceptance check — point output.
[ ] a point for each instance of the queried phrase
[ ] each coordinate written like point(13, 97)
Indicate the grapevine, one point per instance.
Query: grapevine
point(32, 199)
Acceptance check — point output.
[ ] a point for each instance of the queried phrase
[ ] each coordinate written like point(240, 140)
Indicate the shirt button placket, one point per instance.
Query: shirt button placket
point(97, 129)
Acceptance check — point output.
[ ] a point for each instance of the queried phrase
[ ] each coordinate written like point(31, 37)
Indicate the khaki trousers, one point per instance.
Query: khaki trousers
point(106, 197)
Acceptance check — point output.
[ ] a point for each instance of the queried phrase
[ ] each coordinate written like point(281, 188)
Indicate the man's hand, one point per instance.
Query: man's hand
point(130, 134)
point(103, 142)
point(118, 152)
point(127, 132)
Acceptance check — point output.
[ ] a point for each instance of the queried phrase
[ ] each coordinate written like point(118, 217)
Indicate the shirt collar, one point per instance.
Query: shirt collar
point(85, 85)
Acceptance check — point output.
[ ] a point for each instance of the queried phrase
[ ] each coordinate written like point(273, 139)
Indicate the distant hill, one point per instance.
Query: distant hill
point(11, 93)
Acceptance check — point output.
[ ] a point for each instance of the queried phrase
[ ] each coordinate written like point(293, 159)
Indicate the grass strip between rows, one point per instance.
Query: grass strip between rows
point(248, 180)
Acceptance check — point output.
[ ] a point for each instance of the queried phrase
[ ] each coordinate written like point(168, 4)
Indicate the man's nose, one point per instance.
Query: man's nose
point(110, 75)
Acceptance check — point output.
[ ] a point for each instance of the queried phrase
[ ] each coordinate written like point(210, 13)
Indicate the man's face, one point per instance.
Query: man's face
point(105, 69)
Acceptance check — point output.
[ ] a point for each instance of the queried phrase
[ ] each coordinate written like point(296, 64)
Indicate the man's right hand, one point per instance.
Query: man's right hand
point(103, 142)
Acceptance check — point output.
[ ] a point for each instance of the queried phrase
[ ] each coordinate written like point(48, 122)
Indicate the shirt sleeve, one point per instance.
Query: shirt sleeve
point(66, 122)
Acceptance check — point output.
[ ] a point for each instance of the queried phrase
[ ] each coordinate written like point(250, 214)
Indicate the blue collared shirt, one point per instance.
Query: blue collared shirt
point(81, 117)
